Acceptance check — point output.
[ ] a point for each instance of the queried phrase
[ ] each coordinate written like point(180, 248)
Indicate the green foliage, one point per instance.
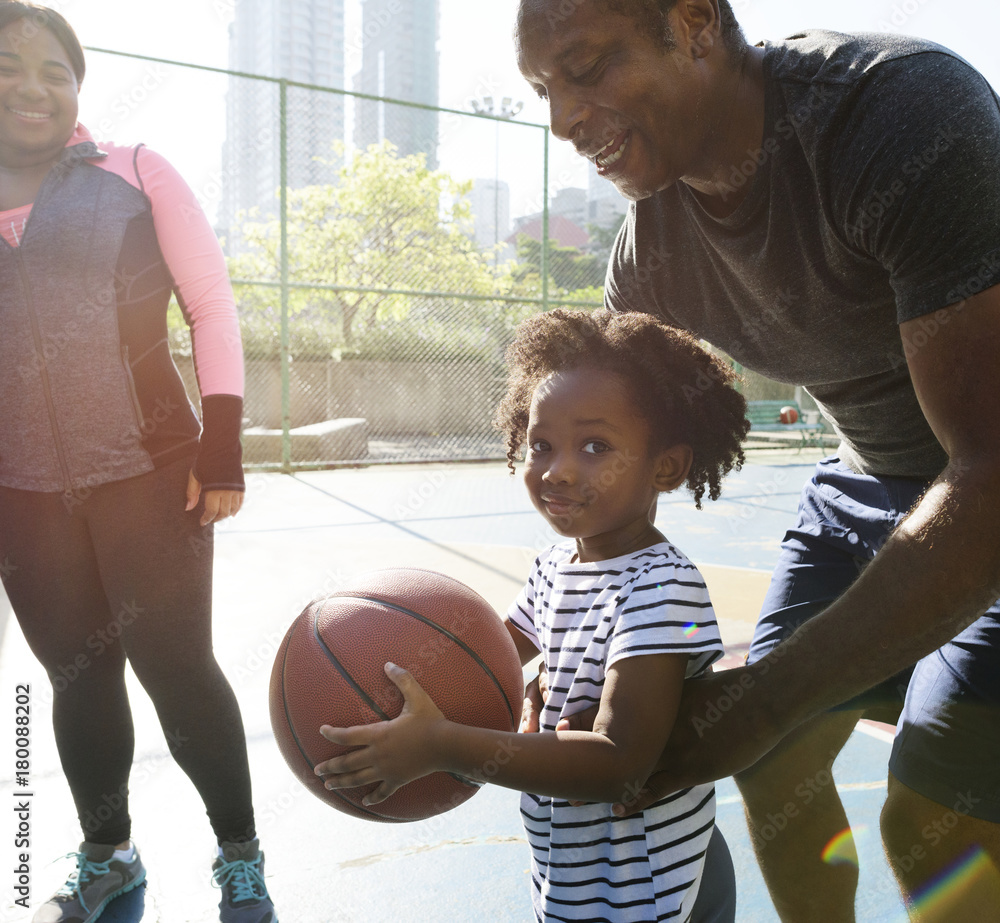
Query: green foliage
point(178, 334)
point(602, 240)
point(570, 269)
point(386, 226)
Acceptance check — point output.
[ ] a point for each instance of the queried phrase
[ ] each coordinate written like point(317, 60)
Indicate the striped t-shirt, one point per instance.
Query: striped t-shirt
point(588, 864)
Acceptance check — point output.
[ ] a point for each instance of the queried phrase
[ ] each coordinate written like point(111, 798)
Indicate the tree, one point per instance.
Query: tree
point(386, 226)
point(602, 239)
point(569, 268)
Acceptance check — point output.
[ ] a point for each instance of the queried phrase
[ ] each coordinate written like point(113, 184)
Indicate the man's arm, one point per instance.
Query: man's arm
point(938, 572)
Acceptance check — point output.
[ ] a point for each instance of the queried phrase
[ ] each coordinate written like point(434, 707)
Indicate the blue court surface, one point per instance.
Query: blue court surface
point(302, 536)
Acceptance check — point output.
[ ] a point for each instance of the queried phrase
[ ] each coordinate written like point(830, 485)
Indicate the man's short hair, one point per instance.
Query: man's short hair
point(651, 17)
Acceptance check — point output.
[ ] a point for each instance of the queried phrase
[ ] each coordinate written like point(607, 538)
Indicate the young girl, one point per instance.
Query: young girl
point(613, 409)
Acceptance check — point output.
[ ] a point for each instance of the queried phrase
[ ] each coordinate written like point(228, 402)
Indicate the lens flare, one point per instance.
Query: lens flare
point(933, 901)
point(841, 850)
point(691, 630)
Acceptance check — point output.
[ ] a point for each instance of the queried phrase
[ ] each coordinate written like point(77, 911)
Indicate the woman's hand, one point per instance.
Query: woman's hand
point(219, 504)
point(391, 752)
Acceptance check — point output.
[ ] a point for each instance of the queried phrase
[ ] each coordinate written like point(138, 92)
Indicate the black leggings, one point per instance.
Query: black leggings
point(120, 572)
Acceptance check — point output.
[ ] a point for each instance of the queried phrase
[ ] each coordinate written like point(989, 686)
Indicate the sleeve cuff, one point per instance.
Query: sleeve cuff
point(219, 465)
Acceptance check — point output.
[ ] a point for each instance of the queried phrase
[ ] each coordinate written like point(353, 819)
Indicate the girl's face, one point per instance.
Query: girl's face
point(38, 96)
point(589, 468)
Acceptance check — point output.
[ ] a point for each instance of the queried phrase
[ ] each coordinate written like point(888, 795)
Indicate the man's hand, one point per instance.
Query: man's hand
point(535, 694)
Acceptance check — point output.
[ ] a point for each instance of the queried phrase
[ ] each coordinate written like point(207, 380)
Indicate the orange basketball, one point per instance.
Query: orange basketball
point(788, 414)
point(330, 670)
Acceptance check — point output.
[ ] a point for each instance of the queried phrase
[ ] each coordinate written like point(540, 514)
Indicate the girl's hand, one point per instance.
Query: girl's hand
point(391, 752)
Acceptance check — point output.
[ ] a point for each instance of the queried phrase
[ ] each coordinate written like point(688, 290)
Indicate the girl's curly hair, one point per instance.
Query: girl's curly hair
point(685, 393)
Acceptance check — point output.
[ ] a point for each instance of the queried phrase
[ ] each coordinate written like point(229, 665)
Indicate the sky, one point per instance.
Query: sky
point(183, 115)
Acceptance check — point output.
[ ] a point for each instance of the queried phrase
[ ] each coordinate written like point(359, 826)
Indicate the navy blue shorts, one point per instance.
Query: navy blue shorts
point(947, 744)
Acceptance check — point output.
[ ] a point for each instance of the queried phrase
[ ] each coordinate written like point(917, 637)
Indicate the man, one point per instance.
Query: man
point(826, 209)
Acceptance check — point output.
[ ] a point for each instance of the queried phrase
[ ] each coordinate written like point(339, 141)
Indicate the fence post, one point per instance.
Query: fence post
point(545, 223)
point(286, 412)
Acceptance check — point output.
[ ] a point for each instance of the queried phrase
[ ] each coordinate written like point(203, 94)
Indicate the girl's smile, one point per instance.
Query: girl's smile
point(590, 469)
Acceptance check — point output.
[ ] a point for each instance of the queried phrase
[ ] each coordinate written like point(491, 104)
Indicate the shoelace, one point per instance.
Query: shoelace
point(85, 870)
point(243, 878)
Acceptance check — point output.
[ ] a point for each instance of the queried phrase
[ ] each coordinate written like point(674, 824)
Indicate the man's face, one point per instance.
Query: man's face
point(622, 98)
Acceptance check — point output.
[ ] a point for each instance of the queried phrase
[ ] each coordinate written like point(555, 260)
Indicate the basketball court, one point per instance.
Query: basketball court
point(304, 535)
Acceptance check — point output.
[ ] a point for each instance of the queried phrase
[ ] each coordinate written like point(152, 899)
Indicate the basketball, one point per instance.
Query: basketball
point(329, 669)
point(788, 414)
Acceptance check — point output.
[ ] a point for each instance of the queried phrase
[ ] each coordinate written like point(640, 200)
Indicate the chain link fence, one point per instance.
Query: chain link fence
point(377, 270)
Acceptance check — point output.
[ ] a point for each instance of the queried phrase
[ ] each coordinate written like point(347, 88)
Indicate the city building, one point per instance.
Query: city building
point(302, 41)
point(570, 202)
point(567, 219)
point(399, 60)
point(489, 202)
point(605, 205)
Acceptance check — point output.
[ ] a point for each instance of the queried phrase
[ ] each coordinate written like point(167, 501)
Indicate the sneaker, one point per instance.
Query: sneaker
point(99, 878)
point(239, 872)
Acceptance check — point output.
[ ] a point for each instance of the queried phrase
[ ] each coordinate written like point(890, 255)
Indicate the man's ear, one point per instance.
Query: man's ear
point(673, 466)
point(697, 25)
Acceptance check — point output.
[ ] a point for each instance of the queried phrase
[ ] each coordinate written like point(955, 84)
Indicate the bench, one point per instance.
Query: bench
point(344, 439)
point(765, 417)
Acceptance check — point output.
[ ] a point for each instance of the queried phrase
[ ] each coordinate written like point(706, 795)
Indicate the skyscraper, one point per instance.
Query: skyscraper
point(300, 40)
point(399, 60)
point(489, 202)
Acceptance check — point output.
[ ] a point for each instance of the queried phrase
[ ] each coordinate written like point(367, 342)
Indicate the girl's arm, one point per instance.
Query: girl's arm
point(527, 650)
point(609, 764)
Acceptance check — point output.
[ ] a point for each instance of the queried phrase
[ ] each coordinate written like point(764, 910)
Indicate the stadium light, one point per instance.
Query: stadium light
point(506, 108)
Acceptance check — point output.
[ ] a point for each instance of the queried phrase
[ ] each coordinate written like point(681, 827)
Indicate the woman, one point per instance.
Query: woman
point(109, 487)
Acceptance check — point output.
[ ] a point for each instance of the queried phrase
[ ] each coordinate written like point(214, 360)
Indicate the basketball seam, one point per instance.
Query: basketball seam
point(367, 699)
point(465, 647)
point(350, 680)
point(302, 749)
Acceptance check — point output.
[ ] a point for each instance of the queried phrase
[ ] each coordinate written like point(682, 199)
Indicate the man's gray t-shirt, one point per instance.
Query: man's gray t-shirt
point(874, 199)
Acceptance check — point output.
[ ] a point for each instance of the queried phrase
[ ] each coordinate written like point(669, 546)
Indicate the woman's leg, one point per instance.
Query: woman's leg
point(51, 577)
point(156, 566)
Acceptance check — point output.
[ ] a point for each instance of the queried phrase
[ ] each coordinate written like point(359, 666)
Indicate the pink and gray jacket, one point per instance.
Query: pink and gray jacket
point(88, 390)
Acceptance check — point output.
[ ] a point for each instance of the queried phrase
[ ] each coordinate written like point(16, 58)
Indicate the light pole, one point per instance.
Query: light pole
point(505, 109)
